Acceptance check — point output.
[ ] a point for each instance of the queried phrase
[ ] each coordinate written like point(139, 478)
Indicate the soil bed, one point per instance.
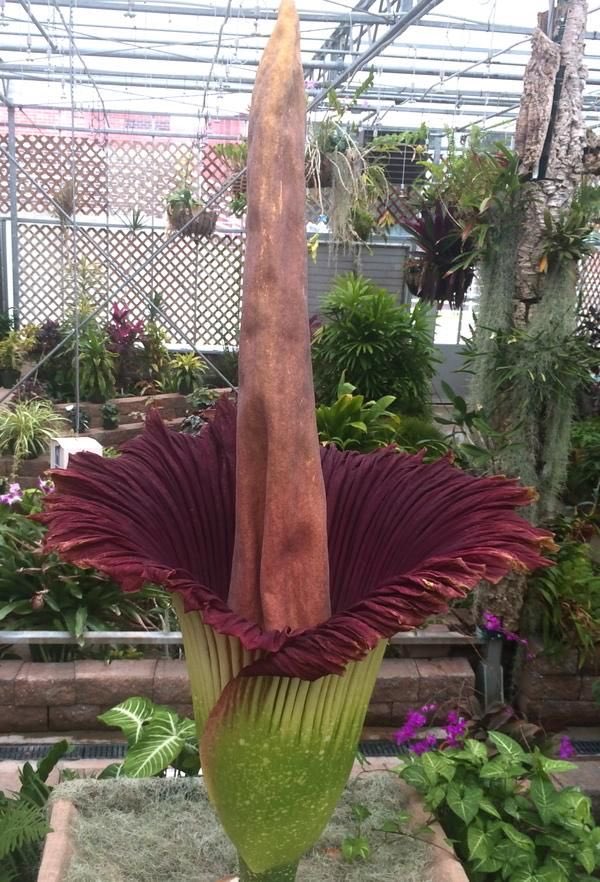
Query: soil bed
point(166, 831)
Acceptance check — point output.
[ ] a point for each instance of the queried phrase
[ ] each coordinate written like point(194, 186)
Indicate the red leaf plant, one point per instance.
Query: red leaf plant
point(289, 564)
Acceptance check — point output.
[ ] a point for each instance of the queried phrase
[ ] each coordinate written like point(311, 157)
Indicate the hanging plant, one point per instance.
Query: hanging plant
point(185, 213)
point(236, 158)
point(443, 270)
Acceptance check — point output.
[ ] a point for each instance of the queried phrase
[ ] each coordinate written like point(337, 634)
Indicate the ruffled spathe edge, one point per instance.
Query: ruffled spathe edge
point(103, 514)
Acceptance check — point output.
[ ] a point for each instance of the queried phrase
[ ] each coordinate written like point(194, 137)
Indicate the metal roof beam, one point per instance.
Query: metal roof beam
point(150, 8)
point(37, 24)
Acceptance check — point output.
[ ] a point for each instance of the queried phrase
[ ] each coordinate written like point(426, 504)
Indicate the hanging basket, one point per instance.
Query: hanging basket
point(198, 222)
point(319, 175)
point(239, 187)
point(413, 270)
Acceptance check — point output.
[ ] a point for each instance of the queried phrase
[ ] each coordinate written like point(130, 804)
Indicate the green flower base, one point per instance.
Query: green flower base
point(279, 874)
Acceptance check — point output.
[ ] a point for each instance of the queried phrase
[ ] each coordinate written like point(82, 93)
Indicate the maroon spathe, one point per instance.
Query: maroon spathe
point(405, 537)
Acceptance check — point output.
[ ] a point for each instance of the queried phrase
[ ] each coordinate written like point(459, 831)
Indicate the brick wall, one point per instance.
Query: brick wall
point(68, 696)
point(557, 691)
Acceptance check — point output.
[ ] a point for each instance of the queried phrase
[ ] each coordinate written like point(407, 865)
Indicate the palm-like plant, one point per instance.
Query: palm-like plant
point(381, 347)
point(187, 371)
point(97, 366)
point(290, 563)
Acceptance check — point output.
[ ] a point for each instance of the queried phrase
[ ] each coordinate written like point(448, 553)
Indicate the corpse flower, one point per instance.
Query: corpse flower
point(289, 564)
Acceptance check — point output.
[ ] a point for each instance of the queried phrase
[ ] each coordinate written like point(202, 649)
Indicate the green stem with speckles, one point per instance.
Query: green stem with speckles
point(279, 874)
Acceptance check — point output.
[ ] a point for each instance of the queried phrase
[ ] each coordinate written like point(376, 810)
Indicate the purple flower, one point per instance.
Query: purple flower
point(424, 746)
point(494, 624)
point(455, 729)
point(415, 720)
point(15, 494)
point(565, 748)
point(45, 485)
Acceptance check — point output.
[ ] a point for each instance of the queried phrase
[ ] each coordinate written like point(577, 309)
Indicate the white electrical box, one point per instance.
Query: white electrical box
point(62, 448)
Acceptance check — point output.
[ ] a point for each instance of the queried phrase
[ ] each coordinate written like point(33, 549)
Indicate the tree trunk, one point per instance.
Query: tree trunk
point(520, 293)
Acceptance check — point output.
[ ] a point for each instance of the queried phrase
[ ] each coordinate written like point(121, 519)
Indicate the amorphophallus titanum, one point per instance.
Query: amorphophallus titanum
point(289, 564)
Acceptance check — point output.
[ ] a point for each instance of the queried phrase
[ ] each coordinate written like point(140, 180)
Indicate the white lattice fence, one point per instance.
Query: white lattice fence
point(196, 283)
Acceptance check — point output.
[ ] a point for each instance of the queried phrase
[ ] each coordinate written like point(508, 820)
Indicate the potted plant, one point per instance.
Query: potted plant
point(186, 213)
point(186, 370)
point(110, 415)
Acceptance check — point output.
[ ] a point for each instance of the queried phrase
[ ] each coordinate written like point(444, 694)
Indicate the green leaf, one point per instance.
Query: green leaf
point(464, 801)
point(486, 806)
point(129, 716)
point(551, 873)
point(587, 859)
point(56, 753)
point(159, 744)
point(507, 747)
point(543, 796)
point(517, 838)
point(414, 774)
point(523, 876)
point(549, 765)
point(478, 843)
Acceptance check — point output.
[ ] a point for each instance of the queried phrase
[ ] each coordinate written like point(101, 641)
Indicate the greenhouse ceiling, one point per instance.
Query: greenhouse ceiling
point(431, 61)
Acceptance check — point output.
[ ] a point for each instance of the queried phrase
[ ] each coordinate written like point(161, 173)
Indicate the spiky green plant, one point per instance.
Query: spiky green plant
point(186, 372)
point(97, 365)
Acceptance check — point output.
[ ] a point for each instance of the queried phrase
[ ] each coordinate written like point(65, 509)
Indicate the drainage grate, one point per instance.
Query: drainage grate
point(587, 748)
point(379, 748)
point(116, 750)
point(91, 750)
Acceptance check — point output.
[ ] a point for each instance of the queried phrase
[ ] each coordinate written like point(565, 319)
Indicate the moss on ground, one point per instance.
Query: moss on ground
point(166, 831)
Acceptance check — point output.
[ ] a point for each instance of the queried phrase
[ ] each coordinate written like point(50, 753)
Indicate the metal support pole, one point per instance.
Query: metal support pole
point(12, 196)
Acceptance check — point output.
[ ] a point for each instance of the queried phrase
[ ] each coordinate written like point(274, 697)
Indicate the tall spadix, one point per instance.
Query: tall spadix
point(280, 565)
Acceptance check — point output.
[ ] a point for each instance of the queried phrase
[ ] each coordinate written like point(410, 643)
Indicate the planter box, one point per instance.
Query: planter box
point(69, 696)
point(431, 860)
point(171, 406)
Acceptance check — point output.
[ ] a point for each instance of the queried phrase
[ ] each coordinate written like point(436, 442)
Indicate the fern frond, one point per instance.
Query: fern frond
point(21, 824)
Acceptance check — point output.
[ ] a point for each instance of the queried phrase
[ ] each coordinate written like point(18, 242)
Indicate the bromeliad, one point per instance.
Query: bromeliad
point(290, 564)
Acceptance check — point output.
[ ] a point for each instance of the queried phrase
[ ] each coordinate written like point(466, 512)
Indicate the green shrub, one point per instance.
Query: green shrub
point(40, 592)
point(26, 429)
point(414, 434)
point(566, 599)
point(583, 474)
point(352, 424)
point(186, 371)
point(381, 347)
point(506, 818)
